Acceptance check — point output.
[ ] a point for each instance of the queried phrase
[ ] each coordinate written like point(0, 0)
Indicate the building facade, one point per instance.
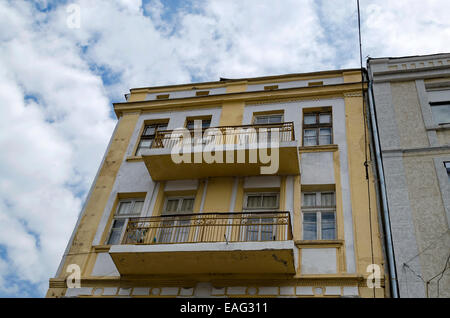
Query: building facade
point(240, 187)
point(412, 106)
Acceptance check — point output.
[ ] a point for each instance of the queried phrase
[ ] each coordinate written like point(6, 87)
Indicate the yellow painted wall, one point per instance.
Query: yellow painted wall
point(81, 247)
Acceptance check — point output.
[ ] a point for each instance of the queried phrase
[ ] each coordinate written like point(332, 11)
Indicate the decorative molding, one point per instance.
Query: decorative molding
point(321, 148)
point(354, 94)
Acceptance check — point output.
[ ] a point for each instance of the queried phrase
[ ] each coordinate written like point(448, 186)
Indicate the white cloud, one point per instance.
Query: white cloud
point(55, 106)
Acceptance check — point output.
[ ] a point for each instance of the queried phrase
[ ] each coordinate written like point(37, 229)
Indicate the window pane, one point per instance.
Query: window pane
point(162, 126)
point(137, 208)
point(309, 226)
point(171, 206)
point(309, 199)
point(259, 120)
point(187, 205)
point(328, 226)
point(124, 208)
point(204, 123)
point(325, 136)
point(267, 229)
point(165, 234)
point(252, 230)
point(254, 201)
point(144, 144)
point(309, 217)
point(276, 119)
point(149, 130)
point(116, 232)
point(327, 199)
point(325, 118)
point(310, 119)
point(269, 201)
point(441, 114)
point(309, 138)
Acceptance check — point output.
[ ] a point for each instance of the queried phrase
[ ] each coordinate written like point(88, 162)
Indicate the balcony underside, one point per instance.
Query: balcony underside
point(276, 257)
point(161, 165)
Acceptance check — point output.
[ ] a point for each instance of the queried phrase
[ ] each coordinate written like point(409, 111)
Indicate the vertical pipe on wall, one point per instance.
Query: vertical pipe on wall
point(385, 208)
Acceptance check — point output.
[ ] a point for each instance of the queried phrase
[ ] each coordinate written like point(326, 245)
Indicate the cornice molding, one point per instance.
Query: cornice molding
point(316, 92)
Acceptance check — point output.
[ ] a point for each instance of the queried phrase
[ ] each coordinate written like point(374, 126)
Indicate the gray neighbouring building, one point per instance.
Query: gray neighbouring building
point(410, 99)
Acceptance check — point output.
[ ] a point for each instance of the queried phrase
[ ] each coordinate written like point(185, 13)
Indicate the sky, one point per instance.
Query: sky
point(59, 78)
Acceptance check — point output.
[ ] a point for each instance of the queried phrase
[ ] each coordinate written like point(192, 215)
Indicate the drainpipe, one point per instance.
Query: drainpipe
point(385, 208)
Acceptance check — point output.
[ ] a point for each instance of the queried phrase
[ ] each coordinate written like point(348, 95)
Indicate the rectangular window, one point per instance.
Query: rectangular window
point(125, 209)
point(268, 119)
point(260, 228)
point(317, 129)
point(319, 216)
point(205, 123)
point(148, 136)
point(176, 228)
point(441, 112)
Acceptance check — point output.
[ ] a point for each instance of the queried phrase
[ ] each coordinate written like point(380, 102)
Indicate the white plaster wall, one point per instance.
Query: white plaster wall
point(317, 168)
point(292, 84)
point(318, 261)
point(187, 93)
point(180, 185)
point(104, 266)
point(293, 111)
point(262, 182)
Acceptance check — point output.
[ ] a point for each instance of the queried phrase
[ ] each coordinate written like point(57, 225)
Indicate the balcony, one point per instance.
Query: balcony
point(223, 151)
point(207, 243)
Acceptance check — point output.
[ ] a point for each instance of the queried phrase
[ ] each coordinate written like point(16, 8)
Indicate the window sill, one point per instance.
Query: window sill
point(321, 148)
point(134, 159)
point(319, 243)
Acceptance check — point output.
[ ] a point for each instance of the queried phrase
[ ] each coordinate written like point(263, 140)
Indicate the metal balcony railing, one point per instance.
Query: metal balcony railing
point(209, 227)
point(236, 135)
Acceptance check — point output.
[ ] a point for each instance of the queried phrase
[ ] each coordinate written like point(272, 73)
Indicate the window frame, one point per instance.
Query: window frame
point(124, 216)
point(168, 235)
point(317, 126)
point(152, 137)
point(260, 228)
point(193, 119)
point(437, 104)
point(255, 116)
point(318, 209)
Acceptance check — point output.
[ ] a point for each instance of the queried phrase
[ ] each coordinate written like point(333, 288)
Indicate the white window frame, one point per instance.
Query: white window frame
point(268, 116)
point(245, 229)
point(174, 233)
point(318, 209)
point(125, 216)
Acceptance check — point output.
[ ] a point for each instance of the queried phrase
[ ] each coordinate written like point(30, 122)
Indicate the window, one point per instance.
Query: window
point(319, 216)
point(268, 119)
point(205, 123)
point(317, 129)
point(447, 166)
point(176, 228)
point(125, 209)
point(263, 229)
point(148, 135)
point(441, 112)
